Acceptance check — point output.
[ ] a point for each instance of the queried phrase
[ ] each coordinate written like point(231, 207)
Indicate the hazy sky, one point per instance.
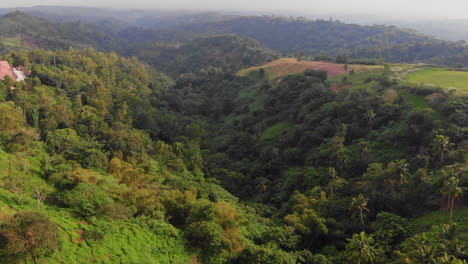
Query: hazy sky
point(420, 8)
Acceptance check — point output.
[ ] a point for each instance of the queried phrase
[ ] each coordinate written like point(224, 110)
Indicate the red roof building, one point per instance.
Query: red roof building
point(16, 74)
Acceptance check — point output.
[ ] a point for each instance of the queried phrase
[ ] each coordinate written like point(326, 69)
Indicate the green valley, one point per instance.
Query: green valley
point(212, 139)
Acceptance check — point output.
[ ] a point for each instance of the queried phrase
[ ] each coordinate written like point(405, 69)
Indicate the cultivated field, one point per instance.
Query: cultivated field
point(287, 66)
point(440, 77)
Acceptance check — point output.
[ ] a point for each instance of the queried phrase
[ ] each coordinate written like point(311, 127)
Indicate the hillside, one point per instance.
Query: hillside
point(289, 66)
point(319, 37)
point(226, 52)
point(198, 145)
point(19, 30)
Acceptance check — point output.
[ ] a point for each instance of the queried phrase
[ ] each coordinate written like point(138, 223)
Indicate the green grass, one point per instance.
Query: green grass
point(133, 241)
point(418, 101)
point(124, 242)
point(424, 222)
point(440, 77)
point(275, 131)
point(15, 41)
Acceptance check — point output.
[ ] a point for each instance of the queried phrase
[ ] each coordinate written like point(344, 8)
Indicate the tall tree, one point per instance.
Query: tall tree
point(358, 206)
point(441, 145)
point(453, 190)
point(29, 234)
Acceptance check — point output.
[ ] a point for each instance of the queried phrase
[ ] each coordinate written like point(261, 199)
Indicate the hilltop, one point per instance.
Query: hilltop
point(288, 66)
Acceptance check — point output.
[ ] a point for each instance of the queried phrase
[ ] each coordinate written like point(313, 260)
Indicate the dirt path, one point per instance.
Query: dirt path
point(403, 74)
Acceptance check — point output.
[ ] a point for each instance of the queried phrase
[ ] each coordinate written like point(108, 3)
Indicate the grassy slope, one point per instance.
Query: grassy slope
point(13, 41)
point(440, 77)
point(124, 242)
point(423, 223)
point(418, 101)
point(288, 66)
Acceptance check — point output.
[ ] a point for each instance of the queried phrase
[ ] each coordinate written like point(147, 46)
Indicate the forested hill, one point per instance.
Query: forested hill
point(20, 30)
point(320, 37)
point(167, 34)
point(229, 53)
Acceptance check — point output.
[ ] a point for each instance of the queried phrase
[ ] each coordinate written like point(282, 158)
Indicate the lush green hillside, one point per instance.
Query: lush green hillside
point(19, 30)
point(104, 159)
point(312, 154)
point(94, 160)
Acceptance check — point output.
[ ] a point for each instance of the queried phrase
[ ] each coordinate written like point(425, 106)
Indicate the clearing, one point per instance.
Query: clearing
point(445, 78)
point(288, 66)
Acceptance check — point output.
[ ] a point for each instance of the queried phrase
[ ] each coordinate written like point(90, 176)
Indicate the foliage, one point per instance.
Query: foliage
point(29, 234)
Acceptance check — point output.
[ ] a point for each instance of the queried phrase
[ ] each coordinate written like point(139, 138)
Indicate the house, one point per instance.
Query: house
point(17, 74)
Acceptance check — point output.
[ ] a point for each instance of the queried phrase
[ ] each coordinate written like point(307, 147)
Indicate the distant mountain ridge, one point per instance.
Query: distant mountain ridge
point(319, 37)
point(20, 30)
point(137, 32)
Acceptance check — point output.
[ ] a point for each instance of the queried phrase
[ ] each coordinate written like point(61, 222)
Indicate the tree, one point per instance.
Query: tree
point(358, 206)
point(87, 199)
point(441, 146)
point(261, 73)
point(370, 116)
point(389, 230)
point(29, 234)
point(342, 58)
point(361, 249)
point(332, 175)
point(421, 249)
point(452, 189)
point(401, 169)
point(40, 191)
point(334, 181)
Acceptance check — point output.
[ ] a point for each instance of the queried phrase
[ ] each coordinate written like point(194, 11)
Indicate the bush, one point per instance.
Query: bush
point(87, 199)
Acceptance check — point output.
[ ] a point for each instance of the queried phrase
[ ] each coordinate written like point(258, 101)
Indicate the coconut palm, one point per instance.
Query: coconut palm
point(441, 146)
point(332, 176)
point(452, 189)
point(361, 250)
point(358, 206)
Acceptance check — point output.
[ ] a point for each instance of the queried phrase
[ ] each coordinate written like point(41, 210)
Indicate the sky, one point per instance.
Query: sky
point(446, 9)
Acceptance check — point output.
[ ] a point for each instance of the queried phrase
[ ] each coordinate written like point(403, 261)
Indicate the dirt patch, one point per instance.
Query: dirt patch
point(27, 41)
point(336, 86)
point(390, 95)
point(80, 235)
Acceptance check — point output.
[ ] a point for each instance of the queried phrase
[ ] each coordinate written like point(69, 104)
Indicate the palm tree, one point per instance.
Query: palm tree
point(441, 146)
point(421, 249)
point(361, 250)
point(370, 116)
point(452, 190)
point(332, 176)
point(402, 170)
point(358, 206)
